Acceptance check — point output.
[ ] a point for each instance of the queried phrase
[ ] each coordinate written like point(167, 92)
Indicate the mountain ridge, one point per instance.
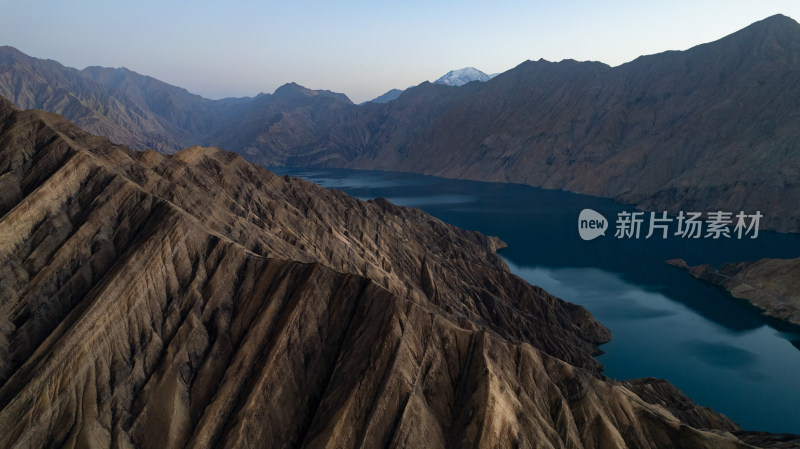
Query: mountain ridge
point(709, 128)
point(197, 300)
point(677, 130)
point(130, 108)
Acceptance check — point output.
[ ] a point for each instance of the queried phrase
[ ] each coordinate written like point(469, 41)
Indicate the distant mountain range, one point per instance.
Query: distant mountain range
point(455, 78)
point(715, 127)
point(138, 110)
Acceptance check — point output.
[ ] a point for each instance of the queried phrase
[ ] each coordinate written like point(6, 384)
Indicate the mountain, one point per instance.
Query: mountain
point(197, 300)
point(187, 115)
point(711, 128)
point(387, 97)
point(772, 285)
point(452, 78)
point(45, 84)
point(292, 116)
point(463, 76)
point(132, 109)
point(455, 78)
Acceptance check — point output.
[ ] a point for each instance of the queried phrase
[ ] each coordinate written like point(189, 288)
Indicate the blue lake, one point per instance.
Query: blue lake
point(719, 350)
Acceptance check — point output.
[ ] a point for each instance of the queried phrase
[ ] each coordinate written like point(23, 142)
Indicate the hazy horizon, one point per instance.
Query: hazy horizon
point(361, 49)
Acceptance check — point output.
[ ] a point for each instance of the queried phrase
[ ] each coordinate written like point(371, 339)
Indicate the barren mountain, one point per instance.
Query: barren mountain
point(143, 112)
point(187, 116)
point(772, 285)
point(711, 128)
point(197, 300)
point(390, 95)
point(292, 116)
point(47, 85)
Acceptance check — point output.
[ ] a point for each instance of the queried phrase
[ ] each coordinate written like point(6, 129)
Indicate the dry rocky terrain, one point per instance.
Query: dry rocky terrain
point(197, 300)
point(772, 285)
point(710, 128)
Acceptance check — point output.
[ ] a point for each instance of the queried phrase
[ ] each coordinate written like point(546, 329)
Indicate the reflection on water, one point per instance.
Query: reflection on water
point(420, 201)
point(717, 349)
point(720, 354)
point(342, 181)
point(749, 374)
point(605, 293)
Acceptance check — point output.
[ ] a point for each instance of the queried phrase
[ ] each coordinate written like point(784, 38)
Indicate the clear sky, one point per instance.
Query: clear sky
point(360, 47)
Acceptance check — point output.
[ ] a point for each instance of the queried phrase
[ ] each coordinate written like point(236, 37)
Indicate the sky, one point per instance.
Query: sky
point(362, 48)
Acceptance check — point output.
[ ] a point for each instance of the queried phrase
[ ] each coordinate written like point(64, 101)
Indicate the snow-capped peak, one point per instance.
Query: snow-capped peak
point(462, 76)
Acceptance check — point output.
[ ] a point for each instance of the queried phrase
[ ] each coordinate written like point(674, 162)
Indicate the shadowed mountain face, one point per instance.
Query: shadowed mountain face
point(140, 111)
point(197, 300)
point(772, 285)
point(45, 84)
point(390, 95)
point(710, 128)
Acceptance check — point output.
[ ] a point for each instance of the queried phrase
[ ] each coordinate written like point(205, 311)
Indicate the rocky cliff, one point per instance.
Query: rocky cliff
point(772, 285)
point(197, 300)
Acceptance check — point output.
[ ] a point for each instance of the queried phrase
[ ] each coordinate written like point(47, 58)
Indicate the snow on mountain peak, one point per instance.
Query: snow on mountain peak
point(462, 76)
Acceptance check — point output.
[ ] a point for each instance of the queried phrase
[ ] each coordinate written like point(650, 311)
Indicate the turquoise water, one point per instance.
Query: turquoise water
point(717, 349)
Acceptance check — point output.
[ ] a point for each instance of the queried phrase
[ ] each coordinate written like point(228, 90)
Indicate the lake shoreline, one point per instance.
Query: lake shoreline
point(664, 323)
point(755, 283)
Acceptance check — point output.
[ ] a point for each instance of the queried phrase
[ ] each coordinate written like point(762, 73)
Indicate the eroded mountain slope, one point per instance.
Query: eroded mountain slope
point(196, 300)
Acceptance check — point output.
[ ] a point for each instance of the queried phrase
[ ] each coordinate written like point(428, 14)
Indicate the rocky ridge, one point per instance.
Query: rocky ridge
point(197, 300)
point(710, 128)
